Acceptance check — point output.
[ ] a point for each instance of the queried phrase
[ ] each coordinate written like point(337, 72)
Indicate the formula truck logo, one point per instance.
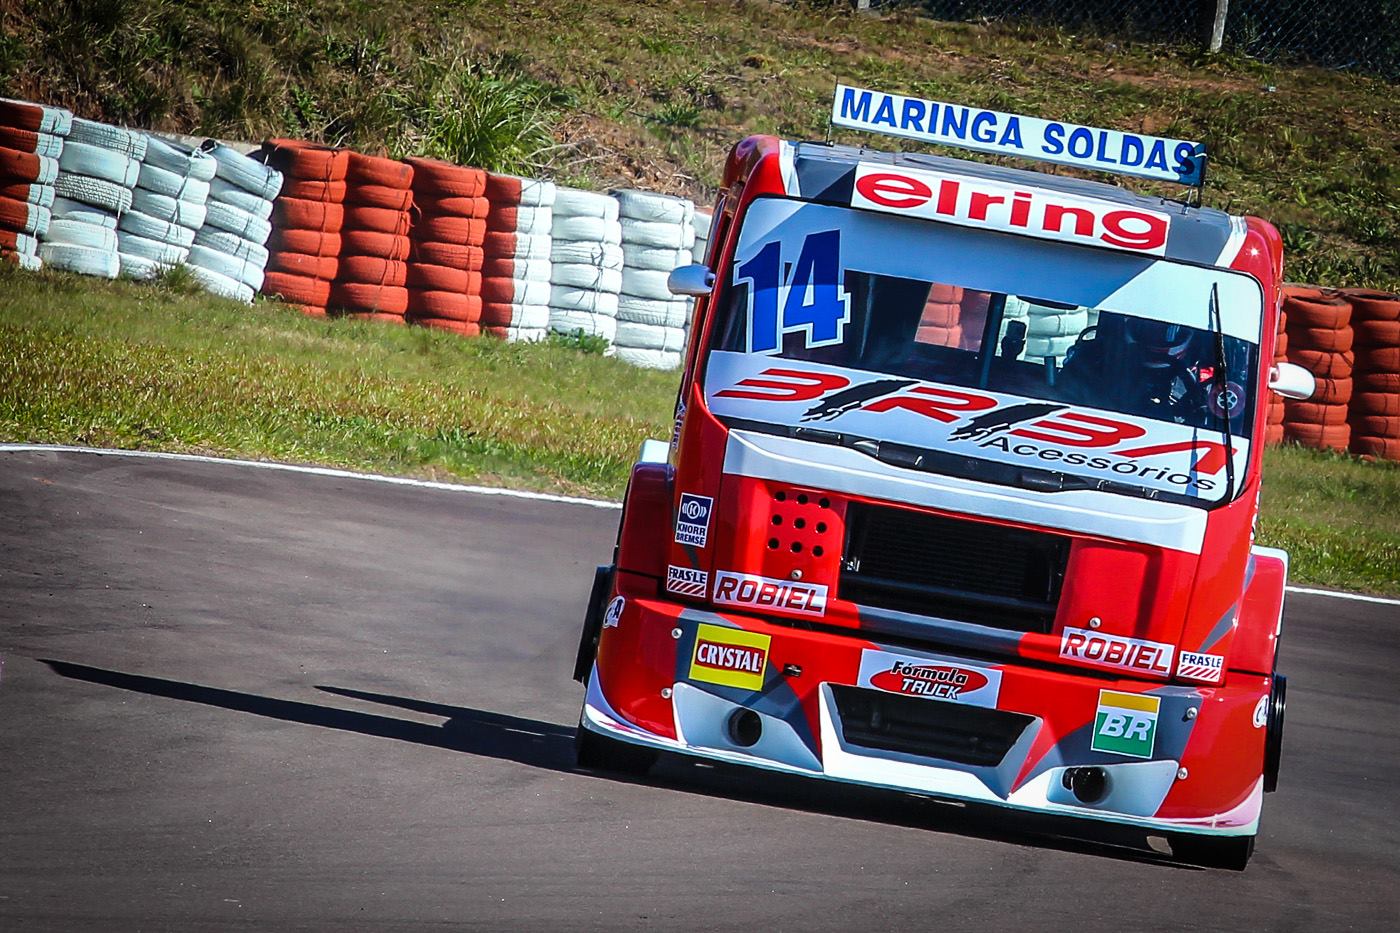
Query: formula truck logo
point(930, 678)
point(729, 657)
point(1126, 724)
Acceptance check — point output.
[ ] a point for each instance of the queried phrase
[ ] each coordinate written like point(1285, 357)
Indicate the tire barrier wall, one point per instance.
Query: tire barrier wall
point(446, 241)
point(515, 279)
point(168, 208)
point(31, 142)
point(371, 280)
point(97, 173)
point(585, 264)
point(237, 224)
point(307, 219)
point(658, 234)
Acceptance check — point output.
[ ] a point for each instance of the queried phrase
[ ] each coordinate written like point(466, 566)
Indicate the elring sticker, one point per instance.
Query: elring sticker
point(729, 657)
point(1126, 724)
point(693, 519)
point(1124, 654)
point(931, 678)
point(765, 593)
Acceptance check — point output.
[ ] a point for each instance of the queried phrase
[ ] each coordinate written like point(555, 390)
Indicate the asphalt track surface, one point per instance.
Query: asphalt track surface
point(241, 699)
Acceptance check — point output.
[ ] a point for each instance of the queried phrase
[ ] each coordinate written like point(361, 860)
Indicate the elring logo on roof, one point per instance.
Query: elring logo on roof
point(1087, 147)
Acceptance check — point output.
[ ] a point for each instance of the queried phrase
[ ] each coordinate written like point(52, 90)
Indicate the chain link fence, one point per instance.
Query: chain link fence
point(1360, 35)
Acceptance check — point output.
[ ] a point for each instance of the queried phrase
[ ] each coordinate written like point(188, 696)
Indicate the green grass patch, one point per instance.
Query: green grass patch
point(653, 93)
point(124, 365)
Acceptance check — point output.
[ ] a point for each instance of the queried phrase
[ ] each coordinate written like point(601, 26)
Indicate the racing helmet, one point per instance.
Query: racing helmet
point(1160, 341)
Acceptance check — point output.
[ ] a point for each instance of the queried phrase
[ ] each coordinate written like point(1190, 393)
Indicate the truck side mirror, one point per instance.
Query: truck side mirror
point(1292, 381)
point(696, 280)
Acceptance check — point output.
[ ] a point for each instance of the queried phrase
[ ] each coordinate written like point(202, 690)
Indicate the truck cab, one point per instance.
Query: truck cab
point(960, 500)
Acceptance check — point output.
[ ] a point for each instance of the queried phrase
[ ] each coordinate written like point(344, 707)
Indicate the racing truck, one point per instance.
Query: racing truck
point(961, 492)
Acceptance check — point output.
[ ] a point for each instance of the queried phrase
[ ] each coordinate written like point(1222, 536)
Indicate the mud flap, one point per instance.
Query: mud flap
point(592, 623)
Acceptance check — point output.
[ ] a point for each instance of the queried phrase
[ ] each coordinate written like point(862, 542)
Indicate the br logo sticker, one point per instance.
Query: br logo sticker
point(1126, 724)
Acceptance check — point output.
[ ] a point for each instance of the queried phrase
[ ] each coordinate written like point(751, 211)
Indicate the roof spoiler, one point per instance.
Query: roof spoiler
point(991, 131)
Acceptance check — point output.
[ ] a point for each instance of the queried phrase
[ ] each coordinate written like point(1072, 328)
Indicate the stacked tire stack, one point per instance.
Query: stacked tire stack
point(97, 172)
point(237, 223)
point(1320, 340)
point(445, 244)
point(31, 141)
point(1273, 429)
point(371, 281)
point(167, 208)
point(1051, 333)
point(940, 324)
point(515, 281)
point(586, 258)
point(306, 222)
point(1375, 402)
point(658, 234)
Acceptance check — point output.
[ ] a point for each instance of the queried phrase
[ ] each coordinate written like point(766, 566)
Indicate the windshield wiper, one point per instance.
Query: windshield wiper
point(1221, 382)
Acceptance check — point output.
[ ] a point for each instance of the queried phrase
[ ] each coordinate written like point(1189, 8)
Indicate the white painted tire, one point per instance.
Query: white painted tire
point(563, 298)
point(532, 270)
point(1037, 348)
point(29, 262)
point(228, 193)
point(531, 221)
point(227, 217)
point(221, 285)
point(585, 253)
point(172, 185)
point(673, 312)
point(105, 136)
point(529, 317)
point(180, 159)
point(153, 250)
point(233, 245)
point(95, 162)
point(153, 228)
point(537, 192)
point(525, 334)
point(26, 244)
point(55, 120)
point(237, 169)
point(589, 277)
point(648, 336)
point(48, 145)
point(231, 267)
point(94, 192)
point(646, 283)
point(1057, 325)
point(71, 232)
point(67, 209)
point(573, 202)
point(658, 260)
point(82, 259)
point(590, 229)
point(41, 195)
point(570, 322)
point(174, 210)
point(641, 233)
point(654, 208)
point(649, 359)
point(139, 269)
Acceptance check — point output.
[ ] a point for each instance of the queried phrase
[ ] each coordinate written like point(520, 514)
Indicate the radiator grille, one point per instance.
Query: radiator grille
point(952, 569)
point(968, 735)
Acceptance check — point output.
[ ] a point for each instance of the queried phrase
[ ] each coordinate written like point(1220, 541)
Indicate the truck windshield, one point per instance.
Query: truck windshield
point(1073, 367)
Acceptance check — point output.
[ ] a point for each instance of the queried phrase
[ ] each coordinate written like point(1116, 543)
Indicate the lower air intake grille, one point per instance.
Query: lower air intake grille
point(952, 569)
point(969, 735)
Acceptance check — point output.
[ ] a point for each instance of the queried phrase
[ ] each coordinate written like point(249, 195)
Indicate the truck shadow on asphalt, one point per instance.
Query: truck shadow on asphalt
point(551, 746)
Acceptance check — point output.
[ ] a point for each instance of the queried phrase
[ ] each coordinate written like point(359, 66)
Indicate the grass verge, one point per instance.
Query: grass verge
point(124, 365)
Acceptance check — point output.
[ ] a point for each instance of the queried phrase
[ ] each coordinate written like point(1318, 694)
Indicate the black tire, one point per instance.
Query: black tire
point(1273, 738)
point(1228, 852)
point(592, 624)
point(595, 752)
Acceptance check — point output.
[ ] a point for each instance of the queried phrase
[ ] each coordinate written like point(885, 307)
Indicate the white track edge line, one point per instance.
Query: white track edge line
point(456, 487)
point(314, 471)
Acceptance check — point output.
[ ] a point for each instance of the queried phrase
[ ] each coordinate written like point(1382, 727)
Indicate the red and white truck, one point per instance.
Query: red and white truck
point(962, 489)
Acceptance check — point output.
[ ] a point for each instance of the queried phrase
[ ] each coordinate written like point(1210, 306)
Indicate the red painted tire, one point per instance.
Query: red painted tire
point(16, 191)
point(1368, 305)
point(460, 328)
point(1378, 382)
point(453, 207)
point(1387, 426)
point(940, 336)
point(1320, 363)
point(299, 159)
point(498, 289)
point(1336, 391)
point(18, 139)
point(451, 229)
point(16, 215)
point(377, 219)
point(372, 270)
point(373, 243)
point(313, 190)
point(1324, 437)
point(1301, 291)
point(364, 169)
point(361, 296)
point(381, 316)
point(443, 279)
point(297, 289)
point(1384, 447)
point(1375, 403)
point(1273, 434)
point(1325, 339)
point(938, 314)
point(1321, 413)
point(496, 314)
point(310, 242)
point(454, 255)
point(299, 213)
point(945, 294)
point(1281, 346)
point(382, 196)
point(498, 267)
point(311, 311)
point(1379, 360)
point(21, 115)
point(16, 166)
point(502, 190)
point(320, 267)
point(443, 179)
point(1328, 311)
point(1376, 334)
point(453, 306)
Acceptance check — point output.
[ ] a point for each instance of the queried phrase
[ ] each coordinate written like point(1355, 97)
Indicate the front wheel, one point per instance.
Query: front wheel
point(1230, 852)
point(594, 752)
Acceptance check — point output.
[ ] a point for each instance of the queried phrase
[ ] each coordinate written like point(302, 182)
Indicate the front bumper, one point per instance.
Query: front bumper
point(664, 679)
